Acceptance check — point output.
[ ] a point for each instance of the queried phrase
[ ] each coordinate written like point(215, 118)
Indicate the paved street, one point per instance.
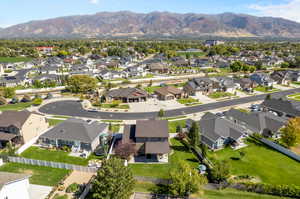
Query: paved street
point(74, 109)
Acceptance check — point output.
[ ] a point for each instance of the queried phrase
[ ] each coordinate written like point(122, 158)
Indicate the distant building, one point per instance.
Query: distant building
point(127, 95)
point(210, 43)
point(45, 49)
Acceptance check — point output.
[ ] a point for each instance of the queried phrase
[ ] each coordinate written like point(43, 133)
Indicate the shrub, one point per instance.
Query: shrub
point(66, 149)
point(72, 188)
point(277, 190)
point(37, 101)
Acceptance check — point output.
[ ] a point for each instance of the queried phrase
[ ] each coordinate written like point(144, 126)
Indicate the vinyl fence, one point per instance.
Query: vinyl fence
point(281, 149)
point(58, 165)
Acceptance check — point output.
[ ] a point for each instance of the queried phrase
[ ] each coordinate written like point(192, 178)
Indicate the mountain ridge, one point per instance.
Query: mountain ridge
point(169, 24)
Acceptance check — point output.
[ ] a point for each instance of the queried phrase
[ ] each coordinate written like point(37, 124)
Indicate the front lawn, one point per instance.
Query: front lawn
point(217, 95)
point(180, 153)
point(119, 106)
point(267, 165)
point(54, 122)
point(295, 97)
point(189, 101)
point(173, 125)
point(53, 155)
point(266, 89)
point(39, 175)
point(15, 107)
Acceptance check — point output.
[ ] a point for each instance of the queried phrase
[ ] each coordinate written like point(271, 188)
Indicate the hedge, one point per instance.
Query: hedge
point(292, 191)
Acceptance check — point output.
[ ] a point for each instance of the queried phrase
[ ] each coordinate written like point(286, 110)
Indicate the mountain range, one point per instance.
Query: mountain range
point(162, 24)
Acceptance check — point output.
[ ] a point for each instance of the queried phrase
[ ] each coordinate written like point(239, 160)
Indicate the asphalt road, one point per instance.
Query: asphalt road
point(74, 108)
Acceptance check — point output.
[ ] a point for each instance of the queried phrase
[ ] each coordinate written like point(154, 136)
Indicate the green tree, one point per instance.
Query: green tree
point(194, 134)
point(221, 171)
point(290, 135)
point(82, 84)
point(113, 181)
point(185, 180)
point(161, 113)
point(8, 92)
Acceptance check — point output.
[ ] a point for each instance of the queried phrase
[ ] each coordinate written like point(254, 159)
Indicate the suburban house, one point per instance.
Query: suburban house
point(13, 186)
point(281, 77)
point(245, 84)
point(79, 135)
point(201, 85)
point(217, 132)
point(158, 68)
point(265, 123)
point(168, 93)
point(20, 127)
point(224, 84)
point(150, 138)
point(284, 108)
point(127, 95)
point(262, 79)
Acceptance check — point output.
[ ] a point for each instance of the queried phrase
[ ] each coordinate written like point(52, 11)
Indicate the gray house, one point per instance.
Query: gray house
point(264, 123)
point(262, 79)
point(77, 134)
point(282, 107)
point(217, 132)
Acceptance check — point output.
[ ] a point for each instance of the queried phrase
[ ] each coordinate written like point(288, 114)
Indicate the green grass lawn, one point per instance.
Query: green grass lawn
point(15, 107)
point(54, 122)
point(39, 175)
point(162, 170)
point(120, 106)
point(173, 124)
point(14, 59)
point(54, 156)
point(266, 164)
point(295, 97)
point(265, 89)
point(217, 95)
point(151, 89)
point(189, 101)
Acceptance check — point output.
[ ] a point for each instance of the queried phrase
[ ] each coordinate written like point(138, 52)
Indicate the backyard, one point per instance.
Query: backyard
point(54, 156)
point(261, 162)
point(39, 175)
point(173, 125)
point(179, 152)
point(151, 89)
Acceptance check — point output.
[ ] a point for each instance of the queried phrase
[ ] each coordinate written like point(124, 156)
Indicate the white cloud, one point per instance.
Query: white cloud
point(290, 9)
point(94, 1)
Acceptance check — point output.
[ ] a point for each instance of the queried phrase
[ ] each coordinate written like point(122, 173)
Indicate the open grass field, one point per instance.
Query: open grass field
point(15, 107)
point(262, 162)
point(179, 152)
point(53, 155)
point(14, 59)
point(39, 175)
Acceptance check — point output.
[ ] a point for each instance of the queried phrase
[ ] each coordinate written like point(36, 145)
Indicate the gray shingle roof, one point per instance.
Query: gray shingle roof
point(127, 92)
point(152, 128)
point(6, 178)
point(76, 130)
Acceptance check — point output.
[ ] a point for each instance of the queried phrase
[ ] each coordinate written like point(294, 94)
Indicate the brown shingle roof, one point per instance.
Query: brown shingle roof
point(7, 136)
point(152, 128)
point(168, 89)
point(157, 147)
point(6, 178)
point(16, 118)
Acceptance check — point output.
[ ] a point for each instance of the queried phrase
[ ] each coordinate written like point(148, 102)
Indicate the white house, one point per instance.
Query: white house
point(14, 186)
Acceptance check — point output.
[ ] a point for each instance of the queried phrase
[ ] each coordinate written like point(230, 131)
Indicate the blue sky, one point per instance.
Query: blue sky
point(19, 11)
